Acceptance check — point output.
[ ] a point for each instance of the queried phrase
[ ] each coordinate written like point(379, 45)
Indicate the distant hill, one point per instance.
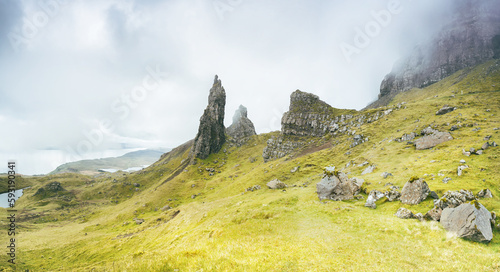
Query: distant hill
point(131, 159)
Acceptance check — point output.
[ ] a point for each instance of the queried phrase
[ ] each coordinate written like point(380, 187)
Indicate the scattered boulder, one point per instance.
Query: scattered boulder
point(276, 184)
point(386, 175)
point(138, 221)
point(434, 214)
point(434, 195)
point(419, 216)
point(295, 169)
point(445, 109)
point(461, 168)
point(446, 180)
point(431, 140)
point(336, 186)
point(404, 213)
point(469, 221)
point(392, 194)
point(369, 169)
point(462, 161)
point(485, 193)
point(485, 146)
point(372, 198)
point(465, 153)
point(414, 191)
point(211, 132)
point(253, 188)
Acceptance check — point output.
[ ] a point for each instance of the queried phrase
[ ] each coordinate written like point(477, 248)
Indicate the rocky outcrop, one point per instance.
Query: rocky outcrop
point(415, 191)
point(276, 184)
point(281, 146)
point(211, 132)
point(242, 127)
point(431, 138)
point(469, 37)
point(470, 221)
point(450, 199)
point(336, 186)
point(50, 188)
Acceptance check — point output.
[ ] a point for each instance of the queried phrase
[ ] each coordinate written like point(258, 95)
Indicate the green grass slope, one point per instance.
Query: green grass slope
point(196, 219)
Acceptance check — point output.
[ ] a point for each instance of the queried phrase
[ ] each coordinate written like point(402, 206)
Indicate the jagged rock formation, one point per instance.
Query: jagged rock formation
point(471, 36)
point(309, 116)
point(242, 127)
point(211, 132)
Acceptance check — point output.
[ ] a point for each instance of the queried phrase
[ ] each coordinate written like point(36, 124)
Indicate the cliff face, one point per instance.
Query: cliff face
point(471, 37)
point(309, 116)
point(211, 137)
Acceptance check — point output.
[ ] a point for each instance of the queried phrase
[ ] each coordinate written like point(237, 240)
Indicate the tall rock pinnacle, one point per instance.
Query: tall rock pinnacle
point(211, 137)
point(242, 126)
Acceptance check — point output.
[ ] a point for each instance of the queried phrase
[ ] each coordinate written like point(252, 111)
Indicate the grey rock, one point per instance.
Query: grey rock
point(468, 221)
point(445, 109)
point(276, 184)
point(253, 188)
point(485, 146)
point(392, 194)
point(242, 127)
point(462, 161)
point(138, 221)
point(432, 140)
point(211, 132)
point(295, 169)
point(419, 216)
point(386, 174)
point(446, 180)
point(404, 213)
point(434, 214)
point(479, 152)
point(472, 150)
point(485, 193)
point(368, 169)
point(372, 198)
point(336, 186)
point(466, 153)
point(434, 195)
point(414, 192)
point(452, 199)
point(461, 168)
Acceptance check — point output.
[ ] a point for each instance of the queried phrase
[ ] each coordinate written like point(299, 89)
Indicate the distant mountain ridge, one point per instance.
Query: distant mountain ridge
point(131, 159)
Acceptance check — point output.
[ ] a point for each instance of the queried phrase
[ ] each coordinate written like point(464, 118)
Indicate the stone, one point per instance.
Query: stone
point(479, 152)
point(445, 109)
point(392, 194)
point(434, 214)
point(295, 169)
point(461, 168)
point(454, 199)
point(485, 193)
point(434, 195)
point(211, 132)
point(386, 174)
point(336, 186)
point(369, 169)
point(454, 127)
point(276, 184)
point(136, 185)
point(466, 153)
point(138, 221)
point(432, 140)
point(485, 146)
point(446, 180)
point(472, 150)
point(468, 221)
point(253, 188)
point(414, 191)
point(462, 161)
point(372, 198)
point(242, 127)
point(404, 213)
point(419, 216)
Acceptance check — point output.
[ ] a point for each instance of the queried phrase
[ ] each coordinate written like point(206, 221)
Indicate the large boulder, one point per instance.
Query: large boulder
point(445, 109)
point(404, 213)
point(469, 220)
point(242, 127)
point(431, 140)
point(485, 193)
point(372, 198)
point(415, 191)
point(211, 132)
point(276, 184)
point(336, 186)
point(450, 199)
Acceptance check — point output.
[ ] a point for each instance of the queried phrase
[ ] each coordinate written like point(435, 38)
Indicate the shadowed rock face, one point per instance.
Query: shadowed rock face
point(211, 137)
point(469, 221)
point(471, 36)
point(242, 127)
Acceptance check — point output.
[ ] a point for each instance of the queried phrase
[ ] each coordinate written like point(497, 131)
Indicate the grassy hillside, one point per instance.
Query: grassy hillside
point(91, 167)
point(194, 221)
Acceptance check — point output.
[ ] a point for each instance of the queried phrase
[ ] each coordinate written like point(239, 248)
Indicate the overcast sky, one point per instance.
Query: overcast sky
point(84, 76)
